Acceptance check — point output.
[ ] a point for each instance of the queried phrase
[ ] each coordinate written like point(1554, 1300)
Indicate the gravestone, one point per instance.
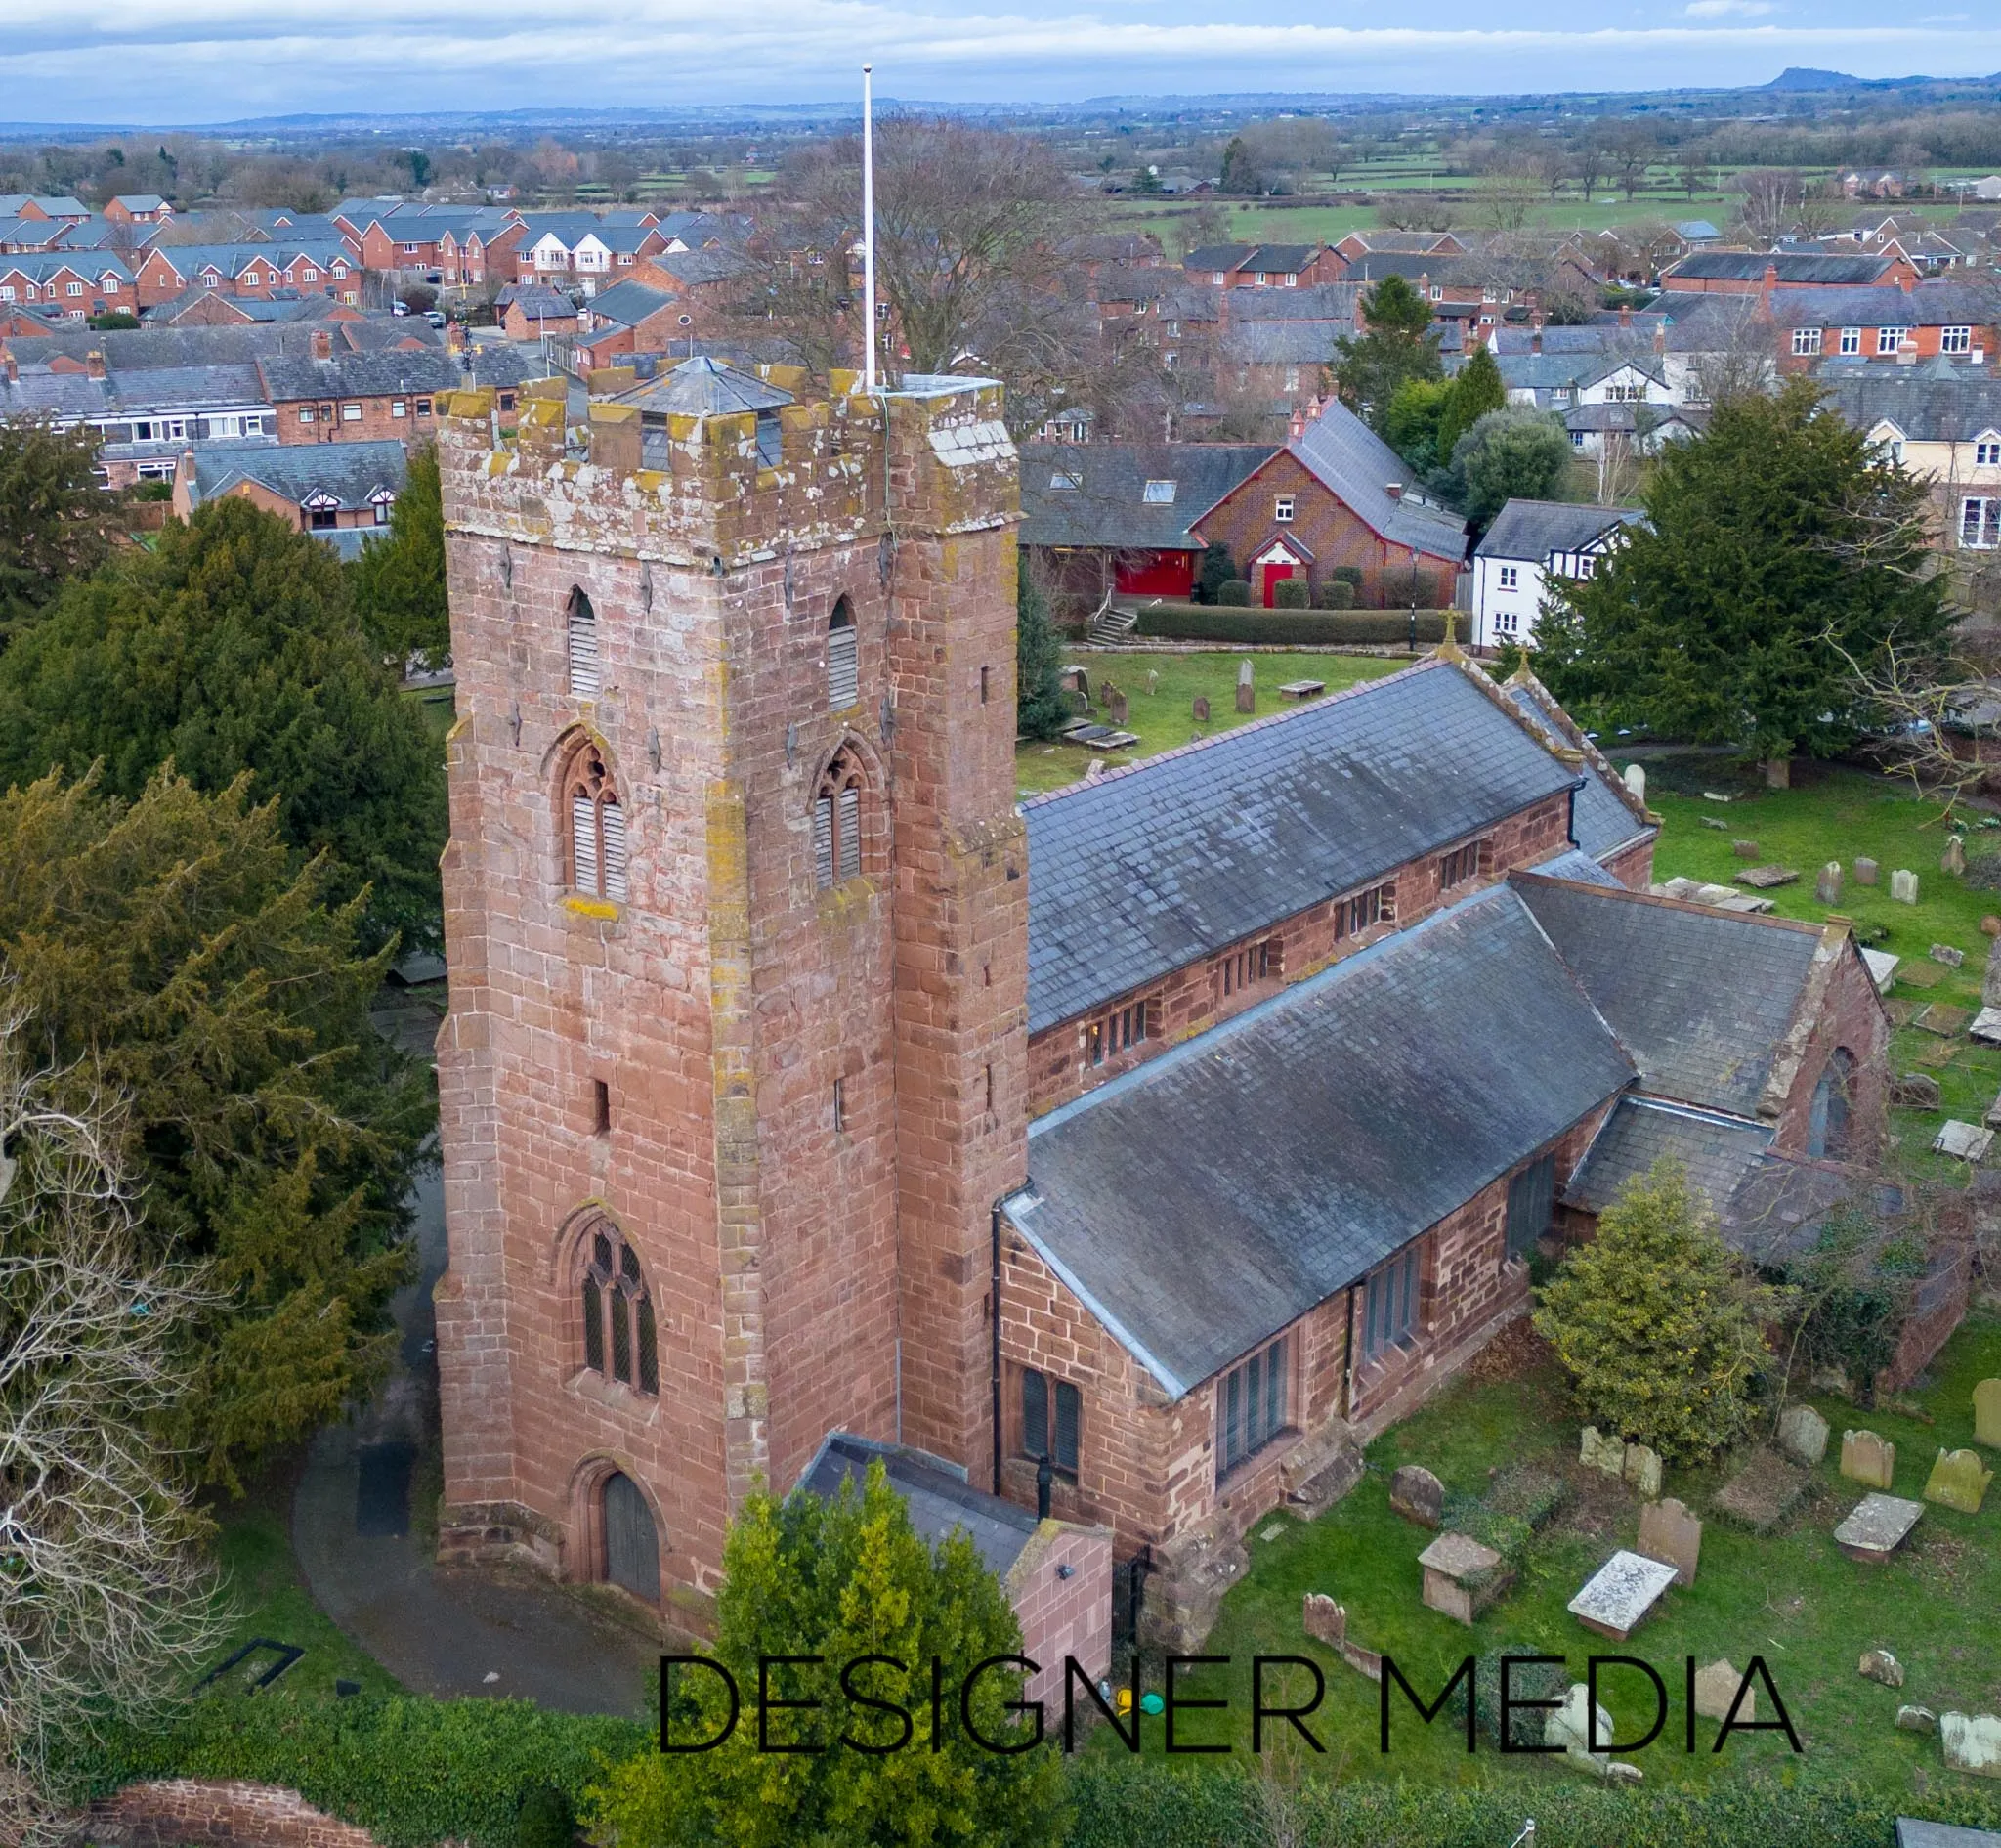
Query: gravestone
point(1200, 708)
point(1763, 1492)
point(1990, 977)
point(1710, 820)
point(1246, 689)
point(1881, 968)
point(1866, 872)
point(1963, 1142)
point(1670, 1533)
point(1636, 782)
point(1915, 1091)
point(1762, 878)
point(1324, 1620)
point(1903, 886)
point(1643, 1469)
point(1959, 1479)
point(1867, 1458)
point(1954, 859)
point(1153, 681)
point(1988, 1413)
point(1917, 1719)
point(1621, 1595)
point(1879, 1664)
point(1078, 681)
point(1971, 1742)
point(1946, 954)
point(1462, 1578)
point(1418, 1495)
point(1745, 850)
point(1827, 887)
point(1605, 1453)
point(1716, 1690)
point(1802, 1431)
point(1941, 1017)
point(1117, 710)
point(1987, 1026)
point(1992, 1119)
point(1876, 1527)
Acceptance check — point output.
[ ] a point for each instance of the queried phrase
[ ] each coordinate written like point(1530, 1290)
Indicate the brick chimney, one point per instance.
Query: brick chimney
point(323, 343)
point(1394, 489)
point(13, 369)
point(1660, 337)
point(1535, 337)
point(94, 363)
point(1770, 282)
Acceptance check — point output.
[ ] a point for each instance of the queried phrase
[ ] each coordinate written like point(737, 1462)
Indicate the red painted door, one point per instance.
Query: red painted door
point(1274, 575)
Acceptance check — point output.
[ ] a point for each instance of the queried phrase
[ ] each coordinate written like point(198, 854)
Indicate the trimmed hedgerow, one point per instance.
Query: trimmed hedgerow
point(1203, 623)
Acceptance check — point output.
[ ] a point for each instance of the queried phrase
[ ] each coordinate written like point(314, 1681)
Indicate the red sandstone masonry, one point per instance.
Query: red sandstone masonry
point(182, 1811)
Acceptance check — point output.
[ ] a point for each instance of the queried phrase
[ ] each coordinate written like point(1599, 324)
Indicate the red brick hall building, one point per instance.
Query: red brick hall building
point(758, 977)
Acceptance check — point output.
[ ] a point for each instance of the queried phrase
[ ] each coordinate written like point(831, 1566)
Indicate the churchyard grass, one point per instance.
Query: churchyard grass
point(1791, 1598)
point(1163, 719)
point(1835, 814)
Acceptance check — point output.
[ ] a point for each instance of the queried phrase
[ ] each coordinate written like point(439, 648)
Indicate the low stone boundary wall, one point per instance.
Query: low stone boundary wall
point(182, 1811)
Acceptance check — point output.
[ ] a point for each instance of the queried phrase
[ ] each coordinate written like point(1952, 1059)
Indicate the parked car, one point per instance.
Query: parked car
point(436, 317)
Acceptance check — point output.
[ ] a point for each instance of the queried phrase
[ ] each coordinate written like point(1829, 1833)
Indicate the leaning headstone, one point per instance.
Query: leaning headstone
point(1324, 1620)
point(1803, 1431)
point(1670, 1533)
point(1605, 1453)
point(1153, 681)
point(1971, 1742)
point(1915, 1091)
point(1866, 872)
point(1716, 1690)
point(1641, 1467)
point(1879, 1664)
point(1200, 708)
point(1946, 954)
point(1636, 782)
point(1959, 1479)
point(1954, 859)
point(1988, 1413)
point(1571, 1728)
point(1246, 689)
point(1917, 1719)
point(1876, 1527)
point(1903, 886)
point(1867, 1458)
point(1827, 887)
point(1418, 1495)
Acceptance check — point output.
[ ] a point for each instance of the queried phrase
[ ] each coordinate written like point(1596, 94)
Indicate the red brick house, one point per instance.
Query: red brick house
point(1263, 266)
point(1885, 326)
point(1742, 273)
point(258, 271)
point(138, 208)
point(531, 311)
point(75, 284)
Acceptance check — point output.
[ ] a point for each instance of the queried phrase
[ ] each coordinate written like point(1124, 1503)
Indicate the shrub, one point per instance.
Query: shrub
point(1191, 622)
point(1218, 568)
point(547, 1819)
point(1337, 595)
point(1234, 591)
point(1291, 595)
point(1657, 1323)
point(1507, 1534)
point(1349, 575)
point(1527, 1681)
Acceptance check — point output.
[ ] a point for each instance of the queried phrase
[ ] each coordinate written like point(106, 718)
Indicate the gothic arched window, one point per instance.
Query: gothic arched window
point(837, 821)
point(843, 660)
point(619, 1336)
point(1827, 1121)
point(582, 621)
point(597, 826)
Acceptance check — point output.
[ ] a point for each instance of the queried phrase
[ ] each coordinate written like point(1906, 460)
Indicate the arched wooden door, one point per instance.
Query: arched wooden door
point(632, 1547)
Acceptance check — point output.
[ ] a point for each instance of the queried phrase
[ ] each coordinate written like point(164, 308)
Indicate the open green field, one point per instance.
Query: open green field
point(1840, 814)
point(1163, 717)
point(1790, 1597)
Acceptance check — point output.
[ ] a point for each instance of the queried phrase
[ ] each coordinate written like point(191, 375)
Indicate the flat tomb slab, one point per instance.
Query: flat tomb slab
point(1763, 1492)
point(1877, 1527)
point(1303, 689)
point(1620, 1596)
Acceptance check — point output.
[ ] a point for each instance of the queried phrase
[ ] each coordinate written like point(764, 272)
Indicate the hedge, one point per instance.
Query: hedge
point(1205, 623)
point(1235, 591)
point(1292, 593)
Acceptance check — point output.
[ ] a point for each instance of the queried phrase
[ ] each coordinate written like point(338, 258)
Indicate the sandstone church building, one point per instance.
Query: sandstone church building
point(805, 1097)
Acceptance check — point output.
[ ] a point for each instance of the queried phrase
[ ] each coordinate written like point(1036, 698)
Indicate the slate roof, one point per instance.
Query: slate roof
point(1321, 301)
point(1929, 305)
point(1214, 257)
point(38, 266)
point(1348, 457)
point(1547, 371)
point(703, 388)
point(1282, 342)
point(1149, 868)
point(1699, 998)
point(188, 260)
point(939, 1499)
point(1635, 342)
point(1716, 1151)
point(626, 304)
point(349, 471)
point(1605, 817)
point(1534, 529)
point(694, 268)
point(293, 375)
point(138, 348)
point(1938, 403)
point(1740, 266)
point(1107, 507)
point(537, 301)
point(1221, 1191)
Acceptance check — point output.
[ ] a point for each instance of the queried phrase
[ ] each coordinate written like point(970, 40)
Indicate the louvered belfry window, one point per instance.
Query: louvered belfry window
point(843, 662)
point(837, 821)
point(583, 647)
point(617, 1312)
point(597, 829)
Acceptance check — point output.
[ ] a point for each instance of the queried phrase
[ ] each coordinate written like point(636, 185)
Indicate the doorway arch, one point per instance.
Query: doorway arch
point(632, 1544)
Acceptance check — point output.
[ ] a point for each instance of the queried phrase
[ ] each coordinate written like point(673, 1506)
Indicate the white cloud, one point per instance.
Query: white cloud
point(1722, 9)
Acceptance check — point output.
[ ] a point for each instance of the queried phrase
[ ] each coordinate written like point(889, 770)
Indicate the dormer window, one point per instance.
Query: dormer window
point(1987, 450)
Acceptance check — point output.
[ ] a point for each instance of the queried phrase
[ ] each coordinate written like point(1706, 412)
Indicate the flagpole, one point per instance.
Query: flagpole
point(868, 229)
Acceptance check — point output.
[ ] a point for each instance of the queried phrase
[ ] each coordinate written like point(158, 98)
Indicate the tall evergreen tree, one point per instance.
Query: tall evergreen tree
point(1513, 453)
point(235, 647)
point(1040, 708)
point(1477, 389)
point(1781, 553)
point(56, 522)
point(399, 581)
point(1398, 345)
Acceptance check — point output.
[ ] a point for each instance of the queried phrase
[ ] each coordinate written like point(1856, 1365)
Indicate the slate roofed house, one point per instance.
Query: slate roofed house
point(137, 208)
point(1373, 243)
point(324, 395)
point(1529, 542)
point(79, 286)
point(630, 316)
point(1263, 266)
point(1942, 421)
point(532, 310)
point(1754, 273)
point(324, 267)
point(339, 494)
point(144, 416)
point(42, 205)
point(17, 235)
point(1961, 321)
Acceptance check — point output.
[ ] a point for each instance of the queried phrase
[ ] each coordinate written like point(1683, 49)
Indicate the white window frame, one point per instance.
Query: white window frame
point(351, 413)
point(1889, 339)
point(1987, 450)
point(1283, 507)
point(1511, 577)
point(1955, 339)
point(1806, 342)
point(1980, 523)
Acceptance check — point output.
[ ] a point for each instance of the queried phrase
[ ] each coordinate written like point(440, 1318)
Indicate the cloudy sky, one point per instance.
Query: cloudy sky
point(202, 60)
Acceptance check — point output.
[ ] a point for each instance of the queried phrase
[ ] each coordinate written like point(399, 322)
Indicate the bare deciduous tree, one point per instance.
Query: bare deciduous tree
point(106, 1605)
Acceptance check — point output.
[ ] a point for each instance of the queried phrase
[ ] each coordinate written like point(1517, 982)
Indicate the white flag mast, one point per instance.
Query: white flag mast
point(868, 229)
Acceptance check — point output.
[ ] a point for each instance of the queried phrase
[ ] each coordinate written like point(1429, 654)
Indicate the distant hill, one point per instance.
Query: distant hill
point(1799, 77)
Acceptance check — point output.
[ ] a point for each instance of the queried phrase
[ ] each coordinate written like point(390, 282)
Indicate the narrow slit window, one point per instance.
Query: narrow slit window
point(600, 1107)
point(583, 647)
point(843, 660)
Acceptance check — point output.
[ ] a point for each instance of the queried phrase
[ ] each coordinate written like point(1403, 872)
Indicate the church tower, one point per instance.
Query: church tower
point(736, 914)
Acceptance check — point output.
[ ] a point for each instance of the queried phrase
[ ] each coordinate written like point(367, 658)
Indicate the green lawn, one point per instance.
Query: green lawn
point(1841, 814)
point(1791, 1598)
point(1164, 716)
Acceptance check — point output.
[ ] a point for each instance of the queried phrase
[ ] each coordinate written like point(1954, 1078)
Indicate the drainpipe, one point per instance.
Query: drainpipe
point(1570, 824)
point(993, 1287)
point(1348, 1370)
